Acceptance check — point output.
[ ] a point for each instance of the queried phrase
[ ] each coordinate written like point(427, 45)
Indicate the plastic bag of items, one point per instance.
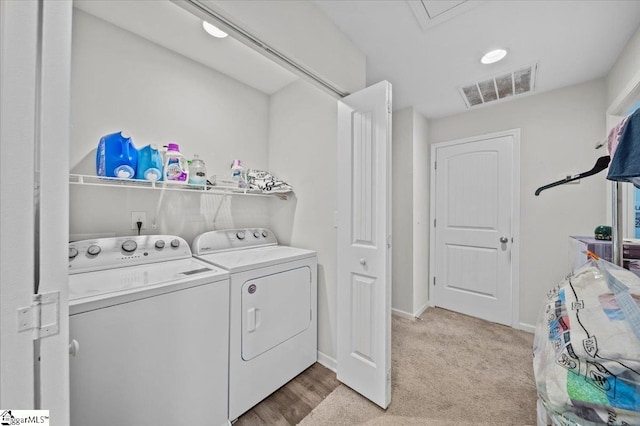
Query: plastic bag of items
point(265, 182)
point(587, 348)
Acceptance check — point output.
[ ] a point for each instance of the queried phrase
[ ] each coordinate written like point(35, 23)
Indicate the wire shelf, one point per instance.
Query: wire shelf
point(89, 180)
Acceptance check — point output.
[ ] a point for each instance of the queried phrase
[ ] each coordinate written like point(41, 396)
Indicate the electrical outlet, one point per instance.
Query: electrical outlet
point(138, 217)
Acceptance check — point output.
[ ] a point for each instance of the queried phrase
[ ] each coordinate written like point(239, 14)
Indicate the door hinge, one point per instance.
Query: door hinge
point(434, 280)
point(434, 223)
point(42, 317)
point(435, 165)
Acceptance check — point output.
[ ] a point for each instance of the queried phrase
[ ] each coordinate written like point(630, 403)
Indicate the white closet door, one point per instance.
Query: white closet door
point(364, 251)
point(35, 39)
point(18, 46)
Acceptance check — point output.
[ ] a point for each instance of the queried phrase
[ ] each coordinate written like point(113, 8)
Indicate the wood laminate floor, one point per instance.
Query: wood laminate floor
point(292, 402)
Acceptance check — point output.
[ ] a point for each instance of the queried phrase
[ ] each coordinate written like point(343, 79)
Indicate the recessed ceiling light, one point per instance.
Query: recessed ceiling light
point(213, 30)
point(493, 56)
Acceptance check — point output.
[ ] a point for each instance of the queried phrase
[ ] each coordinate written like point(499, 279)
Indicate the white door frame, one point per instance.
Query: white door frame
point(515, 218)
point(53, 130)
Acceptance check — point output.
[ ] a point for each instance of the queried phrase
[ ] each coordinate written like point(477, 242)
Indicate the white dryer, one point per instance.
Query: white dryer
point(149, 330)
point(273, 321)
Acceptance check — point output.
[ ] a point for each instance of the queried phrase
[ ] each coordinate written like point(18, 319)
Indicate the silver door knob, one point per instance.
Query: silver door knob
point(363, 261)
point(504, 240)
point(74, 347)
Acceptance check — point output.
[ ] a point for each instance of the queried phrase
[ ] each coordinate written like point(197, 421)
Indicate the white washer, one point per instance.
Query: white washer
point(273, 322)
point(149, 328)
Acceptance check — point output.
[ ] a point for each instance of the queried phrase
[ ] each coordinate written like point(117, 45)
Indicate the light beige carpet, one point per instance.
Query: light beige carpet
point(447, 369)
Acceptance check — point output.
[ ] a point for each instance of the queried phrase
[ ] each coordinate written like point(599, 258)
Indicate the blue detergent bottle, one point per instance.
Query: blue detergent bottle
point(149, 163)
point(116, 156)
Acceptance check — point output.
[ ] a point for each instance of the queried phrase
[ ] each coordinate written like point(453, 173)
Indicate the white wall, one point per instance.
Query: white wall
point(302, 151)
point(626, 67)
point(410, 185)
point(402, 211)
point(421, 182)
point(559, 132)
point(123, 82)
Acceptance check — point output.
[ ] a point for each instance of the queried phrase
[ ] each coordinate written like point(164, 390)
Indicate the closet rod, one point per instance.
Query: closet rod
point(204, 11)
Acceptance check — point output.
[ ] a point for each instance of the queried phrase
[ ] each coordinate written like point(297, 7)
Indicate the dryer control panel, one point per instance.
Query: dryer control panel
point(233, 239)
point(108, 253)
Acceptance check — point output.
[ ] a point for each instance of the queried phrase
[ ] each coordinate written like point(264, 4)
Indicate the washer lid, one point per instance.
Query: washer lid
point(260, 257)
point(99, 289)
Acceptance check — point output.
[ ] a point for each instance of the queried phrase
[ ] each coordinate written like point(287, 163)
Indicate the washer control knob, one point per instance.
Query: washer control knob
point(256, 234)
point(175, 243)
point(240, 235)
point(94, 250)
point(265, 234)
point(129, 246)
point(73, 252)
point(160, 244)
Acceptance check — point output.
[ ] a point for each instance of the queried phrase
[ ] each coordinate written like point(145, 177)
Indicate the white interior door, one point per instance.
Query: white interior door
point(475, 226)
point(35, 62)
point(364, 249)
point(18, 46)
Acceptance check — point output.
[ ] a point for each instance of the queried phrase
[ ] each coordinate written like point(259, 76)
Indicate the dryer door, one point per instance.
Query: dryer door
point(274, 309)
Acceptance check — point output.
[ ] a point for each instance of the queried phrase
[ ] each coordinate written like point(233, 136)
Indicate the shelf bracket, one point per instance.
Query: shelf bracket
point(154, 224)
point(215, 215)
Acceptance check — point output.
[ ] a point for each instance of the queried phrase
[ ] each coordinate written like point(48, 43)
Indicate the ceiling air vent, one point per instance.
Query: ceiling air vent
point(500, 87)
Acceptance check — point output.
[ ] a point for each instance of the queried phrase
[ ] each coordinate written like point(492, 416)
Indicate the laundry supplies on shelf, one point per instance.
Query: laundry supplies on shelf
point(175, 165)
point(118, 162)
point(149, 163)
point(237, 174)
point(197, 171)
point(265, 182)
point(116, 156)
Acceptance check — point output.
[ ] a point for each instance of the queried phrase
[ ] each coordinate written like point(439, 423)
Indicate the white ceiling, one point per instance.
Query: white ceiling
point(426, 60)
point(572, 42)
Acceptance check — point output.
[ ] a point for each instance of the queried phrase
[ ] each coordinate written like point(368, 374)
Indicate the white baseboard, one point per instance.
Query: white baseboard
point(527, 327)
point(328, 362)
point(421, 310)
point(402, 314)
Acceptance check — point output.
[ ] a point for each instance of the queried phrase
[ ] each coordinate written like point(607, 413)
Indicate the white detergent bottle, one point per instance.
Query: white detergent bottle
point(176, 169)
point(237, 173)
